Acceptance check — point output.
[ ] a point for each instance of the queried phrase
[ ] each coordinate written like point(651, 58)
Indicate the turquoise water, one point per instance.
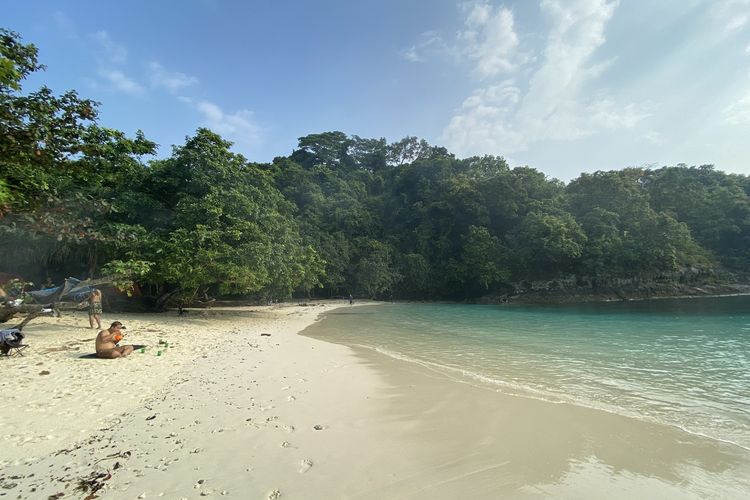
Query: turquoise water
point(684, 363)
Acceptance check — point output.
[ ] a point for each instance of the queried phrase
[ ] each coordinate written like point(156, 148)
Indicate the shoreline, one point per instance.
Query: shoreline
point(479, 382)
point(561, 297)
point(542, 448)
point(259, 411)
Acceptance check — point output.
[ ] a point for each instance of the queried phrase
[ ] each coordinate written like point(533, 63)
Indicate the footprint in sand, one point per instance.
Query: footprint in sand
point(305, 466)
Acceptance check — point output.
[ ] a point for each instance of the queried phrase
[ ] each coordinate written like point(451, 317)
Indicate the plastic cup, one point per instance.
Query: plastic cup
point(158, 353)
point(166, 344)
point(143, 349)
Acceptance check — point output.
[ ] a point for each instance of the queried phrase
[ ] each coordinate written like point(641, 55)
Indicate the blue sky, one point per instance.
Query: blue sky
point(565, 86)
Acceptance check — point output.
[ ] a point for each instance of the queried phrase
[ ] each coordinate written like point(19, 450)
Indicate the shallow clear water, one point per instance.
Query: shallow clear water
point(684, 363)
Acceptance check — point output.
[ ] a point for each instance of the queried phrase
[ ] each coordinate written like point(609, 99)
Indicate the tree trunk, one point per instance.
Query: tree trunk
point(161, 301)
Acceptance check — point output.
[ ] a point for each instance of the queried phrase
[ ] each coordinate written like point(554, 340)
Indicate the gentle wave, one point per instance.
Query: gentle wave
point(518, 390)
point(684, 364)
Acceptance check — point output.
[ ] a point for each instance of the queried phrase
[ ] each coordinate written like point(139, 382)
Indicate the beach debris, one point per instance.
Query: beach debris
point(318, 427)
point(122, 454)
point(265, 334)
point(286, 444)
point(44, 372)
point(274, 495)
point(305, 465)
point(93, 483)
point(56, 496)
point(151, 417)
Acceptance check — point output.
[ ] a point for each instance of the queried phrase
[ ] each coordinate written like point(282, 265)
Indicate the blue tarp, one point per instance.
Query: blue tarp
point(72, 290)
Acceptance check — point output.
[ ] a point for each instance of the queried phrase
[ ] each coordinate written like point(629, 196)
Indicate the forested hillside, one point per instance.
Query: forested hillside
point(340, 214)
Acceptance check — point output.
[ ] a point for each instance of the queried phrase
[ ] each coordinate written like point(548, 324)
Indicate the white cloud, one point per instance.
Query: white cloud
point(411, 54)
point(738, 113)
point(111, 51)
point(429, 43)
point(557, 104)
point(605, 113)
point(653, 137)
point(736, 22)
point(577, 31)
point(118, 80)
point(239, 127)
point(733, 14)
point(172, 81)
point(65, 24)
point(111, 57)
point(490, 39)
point(483, 123)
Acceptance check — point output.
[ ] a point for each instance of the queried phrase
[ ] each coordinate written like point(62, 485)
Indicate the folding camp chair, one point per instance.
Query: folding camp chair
point(11, 342)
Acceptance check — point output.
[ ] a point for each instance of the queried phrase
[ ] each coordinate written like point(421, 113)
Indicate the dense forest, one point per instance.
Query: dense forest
point(341, 214)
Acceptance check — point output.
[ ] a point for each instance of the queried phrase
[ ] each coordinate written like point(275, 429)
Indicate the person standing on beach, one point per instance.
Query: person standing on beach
point(106, 342)
point(351, 299)
point(95, 308)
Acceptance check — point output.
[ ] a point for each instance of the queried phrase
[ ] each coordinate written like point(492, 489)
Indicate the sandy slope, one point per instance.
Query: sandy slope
point(238, 404)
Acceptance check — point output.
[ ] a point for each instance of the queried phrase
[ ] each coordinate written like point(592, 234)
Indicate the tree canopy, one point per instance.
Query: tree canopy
point(341, 214)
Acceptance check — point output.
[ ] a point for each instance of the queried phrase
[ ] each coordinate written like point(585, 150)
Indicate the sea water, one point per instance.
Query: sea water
point(683, 363)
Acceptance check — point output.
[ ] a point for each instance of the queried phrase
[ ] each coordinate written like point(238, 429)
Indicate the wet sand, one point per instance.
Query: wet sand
point(241, 406)
point(471, 441)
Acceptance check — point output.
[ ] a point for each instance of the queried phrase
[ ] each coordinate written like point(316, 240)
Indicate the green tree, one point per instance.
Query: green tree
point(38, 131)
point(483, 259)
point(231, 229)
point(375, 274)
point(548, 244)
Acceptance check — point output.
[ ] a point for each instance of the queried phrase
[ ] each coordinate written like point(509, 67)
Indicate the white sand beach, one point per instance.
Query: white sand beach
point(241, 406)
point(238, 403)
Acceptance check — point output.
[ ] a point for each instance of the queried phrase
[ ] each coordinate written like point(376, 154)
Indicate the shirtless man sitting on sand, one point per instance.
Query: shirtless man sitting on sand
point(105, 342)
